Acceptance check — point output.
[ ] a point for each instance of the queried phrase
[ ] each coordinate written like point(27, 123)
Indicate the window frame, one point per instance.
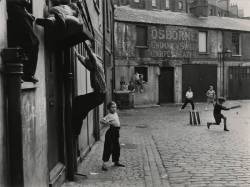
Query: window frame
point(239, 44)
point(206, 42)
point(97, 5)
point(146, 33)
point(142, 70)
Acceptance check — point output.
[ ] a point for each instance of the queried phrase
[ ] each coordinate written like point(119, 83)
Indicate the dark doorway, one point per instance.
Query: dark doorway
point(239, 83)
point(166, 85)
point(54, 97)
point(199, 77)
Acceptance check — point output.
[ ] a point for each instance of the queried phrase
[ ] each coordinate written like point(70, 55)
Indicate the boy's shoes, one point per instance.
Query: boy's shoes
point(226, 130)
point(104, 168)
point(208, 125)
point(118, 164)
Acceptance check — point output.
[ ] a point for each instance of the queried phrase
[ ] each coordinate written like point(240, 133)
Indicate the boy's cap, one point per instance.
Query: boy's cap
point(221, 99)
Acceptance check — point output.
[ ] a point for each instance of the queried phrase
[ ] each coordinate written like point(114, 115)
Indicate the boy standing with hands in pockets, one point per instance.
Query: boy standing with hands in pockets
point(111, 143)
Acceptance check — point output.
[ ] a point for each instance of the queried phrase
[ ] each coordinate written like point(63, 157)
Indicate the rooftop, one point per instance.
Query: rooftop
point(163, 17)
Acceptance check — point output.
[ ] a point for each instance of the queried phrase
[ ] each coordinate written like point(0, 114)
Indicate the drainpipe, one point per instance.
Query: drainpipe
point(104, 4)
point(113, 51)
point(13, 64)
point(71, 141)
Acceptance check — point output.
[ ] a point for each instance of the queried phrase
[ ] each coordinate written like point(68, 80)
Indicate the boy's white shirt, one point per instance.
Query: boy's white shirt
point(189, 94)
point(112, 119)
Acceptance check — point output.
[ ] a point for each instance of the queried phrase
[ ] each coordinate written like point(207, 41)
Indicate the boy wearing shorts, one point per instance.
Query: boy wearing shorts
point(218, 115)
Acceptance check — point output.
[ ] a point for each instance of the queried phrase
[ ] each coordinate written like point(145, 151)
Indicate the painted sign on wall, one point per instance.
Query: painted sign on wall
point(172, 41)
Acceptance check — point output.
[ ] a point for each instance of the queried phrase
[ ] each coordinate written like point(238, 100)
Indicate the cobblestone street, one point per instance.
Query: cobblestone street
point(159, 148)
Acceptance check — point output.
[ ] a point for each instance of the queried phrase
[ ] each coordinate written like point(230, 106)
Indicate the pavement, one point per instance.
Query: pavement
point(160, 148)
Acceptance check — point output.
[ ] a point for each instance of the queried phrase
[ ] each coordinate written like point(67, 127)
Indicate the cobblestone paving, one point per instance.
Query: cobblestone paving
point(160, 148)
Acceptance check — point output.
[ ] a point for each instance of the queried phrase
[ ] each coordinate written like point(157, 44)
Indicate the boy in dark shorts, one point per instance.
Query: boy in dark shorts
point(217, 113)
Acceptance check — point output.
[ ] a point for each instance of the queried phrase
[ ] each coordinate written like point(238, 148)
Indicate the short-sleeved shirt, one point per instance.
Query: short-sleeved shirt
point(189, 94)
point(113, 119)
point(211, 94)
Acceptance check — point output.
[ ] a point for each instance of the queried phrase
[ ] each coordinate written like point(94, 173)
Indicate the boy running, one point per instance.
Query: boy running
point(217, 113)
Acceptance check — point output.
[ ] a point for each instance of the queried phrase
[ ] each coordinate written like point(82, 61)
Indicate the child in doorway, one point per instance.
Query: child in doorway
point(189, 98)
point(217, 113)
point(210, 96)
point(111, 143)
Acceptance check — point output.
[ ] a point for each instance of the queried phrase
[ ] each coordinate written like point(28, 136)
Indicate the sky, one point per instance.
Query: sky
point(243, 4)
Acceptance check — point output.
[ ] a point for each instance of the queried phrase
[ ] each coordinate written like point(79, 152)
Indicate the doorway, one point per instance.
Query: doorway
point(166, 85)
point(54, 100)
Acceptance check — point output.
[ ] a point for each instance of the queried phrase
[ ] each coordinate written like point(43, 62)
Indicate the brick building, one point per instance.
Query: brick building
point(174, 50)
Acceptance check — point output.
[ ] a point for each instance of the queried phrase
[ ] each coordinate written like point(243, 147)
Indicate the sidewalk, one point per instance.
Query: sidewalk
point(138, 153)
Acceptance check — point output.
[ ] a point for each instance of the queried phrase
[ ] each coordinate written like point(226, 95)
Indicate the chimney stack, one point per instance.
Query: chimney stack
point(199, 8)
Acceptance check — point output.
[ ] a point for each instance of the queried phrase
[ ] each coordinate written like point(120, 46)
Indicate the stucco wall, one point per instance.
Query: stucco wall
point(3, 44)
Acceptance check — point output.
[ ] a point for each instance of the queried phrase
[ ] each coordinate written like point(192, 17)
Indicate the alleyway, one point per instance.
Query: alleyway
point(159, 148)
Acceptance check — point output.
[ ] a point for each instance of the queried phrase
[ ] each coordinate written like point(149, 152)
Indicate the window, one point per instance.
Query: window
point(97, 5)
point(141, 36)
point(137, 1)
point(153, 2)
point(202, 42)
point(142, 71)
point(211, 12)
point(167, 4)
point(180, 5)
point(29, 6)
point(107, 16)
point(235, 43)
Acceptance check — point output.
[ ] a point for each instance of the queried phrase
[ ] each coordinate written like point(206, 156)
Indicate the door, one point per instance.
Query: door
point(239, 83)
point(199, 77)
point(54, 112)
point(166, 85)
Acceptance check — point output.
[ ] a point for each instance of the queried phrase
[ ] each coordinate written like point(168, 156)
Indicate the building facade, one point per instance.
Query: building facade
point(222, 8)
point(175, 50)
point(38, 147)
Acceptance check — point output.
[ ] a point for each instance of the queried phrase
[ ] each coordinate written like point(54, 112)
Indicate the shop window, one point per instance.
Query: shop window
point(141, 36)
point(202, 42)
point(142, 71)
point(235, 43)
